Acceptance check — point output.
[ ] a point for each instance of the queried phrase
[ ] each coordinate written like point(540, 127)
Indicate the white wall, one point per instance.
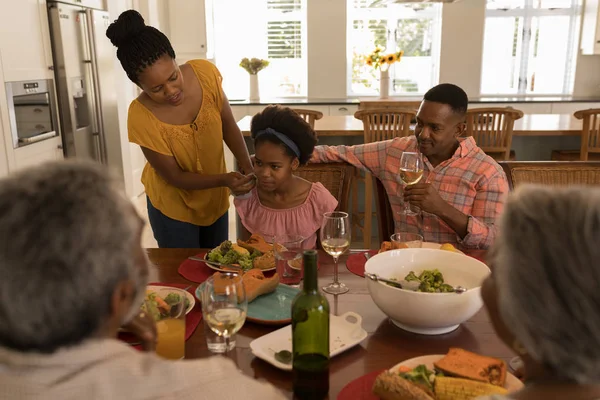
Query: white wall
point(460, 60)
point(462, 48)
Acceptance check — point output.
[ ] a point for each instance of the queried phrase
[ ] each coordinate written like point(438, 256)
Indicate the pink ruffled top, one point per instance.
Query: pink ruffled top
point(304, 220)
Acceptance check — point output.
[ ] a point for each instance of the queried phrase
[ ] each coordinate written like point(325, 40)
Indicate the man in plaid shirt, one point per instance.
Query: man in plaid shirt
point(462, 191)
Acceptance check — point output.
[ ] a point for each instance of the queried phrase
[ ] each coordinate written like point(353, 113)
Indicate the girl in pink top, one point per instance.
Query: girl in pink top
point(282, 203)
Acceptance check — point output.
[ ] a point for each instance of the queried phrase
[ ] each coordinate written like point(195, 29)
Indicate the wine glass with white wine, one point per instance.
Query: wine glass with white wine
point(224, 304)
point(335, 240)
point(411, 172)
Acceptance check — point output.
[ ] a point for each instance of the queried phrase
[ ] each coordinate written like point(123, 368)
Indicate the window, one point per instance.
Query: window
point(414, 28)
point(530, 46)
point(270, 29)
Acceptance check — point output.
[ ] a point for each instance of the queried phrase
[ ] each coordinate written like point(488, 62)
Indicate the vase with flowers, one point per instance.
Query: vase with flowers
point(381, 60)
point(253, 66)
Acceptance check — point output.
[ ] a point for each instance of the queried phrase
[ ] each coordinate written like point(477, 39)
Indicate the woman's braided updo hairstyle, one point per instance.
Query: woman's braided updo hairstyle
point(138, 45)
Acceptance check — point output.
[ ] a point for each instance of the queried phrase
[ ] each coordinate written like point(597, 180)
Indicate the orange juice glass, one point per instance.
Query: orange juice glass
point(171, 328)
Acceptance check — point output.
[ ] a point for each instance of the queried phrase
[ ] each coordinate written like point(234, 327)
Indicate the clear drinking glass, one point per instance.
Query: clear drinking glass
point(224, 305)
point(407, 240)
point(411, 172)
point(335, 240)
point(288, 253)
point(170, 322)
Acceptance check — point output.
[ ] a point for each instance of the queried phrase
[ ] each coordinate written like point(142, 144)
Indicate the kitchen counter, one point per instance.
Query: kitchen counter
point(357, 100)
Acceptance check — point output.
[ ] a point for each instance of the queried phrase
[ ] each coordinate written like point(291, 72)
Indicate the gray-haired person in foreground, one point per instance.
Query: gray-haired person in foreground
point(72, 271)
point(544, 292)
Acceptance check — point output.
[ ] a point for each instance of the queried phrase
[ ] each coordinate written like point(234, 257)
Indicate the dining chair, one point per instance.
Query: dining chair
point(559, 173)
point(590, 139)
point(492, 129)
point(385, 216)
point(336, 177)
point(379, 124)
point(309, 116)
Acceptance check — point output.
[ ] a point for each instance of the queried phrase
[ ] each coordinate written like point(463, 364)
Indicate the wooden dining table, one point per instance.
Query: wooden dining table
point(385, 345)
point(529, 125)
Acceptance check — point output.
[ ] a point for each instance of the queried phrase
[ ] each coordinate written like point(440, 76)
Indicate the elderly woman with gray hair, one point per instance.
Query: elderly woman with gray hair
point(544, 292)
point(72, 271)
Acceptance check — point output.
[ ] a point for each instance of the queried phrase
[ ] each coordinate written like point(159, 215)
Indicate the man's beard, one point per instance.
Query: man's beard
point(142, 281)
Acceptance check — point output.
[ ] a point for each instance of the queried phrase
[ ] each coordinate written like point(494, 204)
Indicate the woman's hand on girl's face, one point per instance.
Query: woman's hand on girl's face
point(240, 184)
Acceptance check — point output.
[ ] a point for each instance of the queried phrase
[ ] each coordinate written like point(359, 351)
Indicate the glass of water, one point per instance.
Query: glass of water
point(288, 254)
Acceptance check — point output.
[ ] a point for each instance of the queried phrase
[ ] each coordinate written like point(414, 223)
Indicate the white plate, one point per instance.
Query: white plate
point(156, 288)
point(345, 332)
point(512, 382)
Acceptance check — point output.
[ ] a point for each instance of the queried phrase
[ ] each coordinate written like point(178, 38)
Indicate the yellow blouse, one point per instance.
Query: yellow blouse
point(197, 147)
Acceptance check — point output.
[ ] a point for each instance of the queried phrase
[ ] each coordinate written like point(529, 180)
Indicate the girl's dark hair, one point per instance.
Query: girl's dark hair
point(285, 121)
point(138, 45)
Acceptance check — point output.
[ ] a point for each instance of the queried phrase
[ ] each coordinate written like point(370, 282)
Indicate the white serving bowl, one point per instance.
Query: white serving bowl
point(427, 313)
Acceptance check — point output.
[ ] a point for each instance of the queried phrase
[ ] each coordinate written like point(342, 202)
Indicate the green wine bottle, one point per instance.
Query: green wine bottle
point(310, 336)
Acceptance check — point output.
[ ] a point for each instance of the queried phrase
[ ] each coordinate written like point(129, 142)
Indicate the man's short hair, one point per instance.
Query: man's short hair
point(452, 95)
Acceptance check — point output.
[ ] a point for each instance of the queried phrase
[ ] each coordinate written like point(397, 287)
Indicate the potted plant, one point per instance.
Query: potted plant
point(381, 60)
point(253, 66)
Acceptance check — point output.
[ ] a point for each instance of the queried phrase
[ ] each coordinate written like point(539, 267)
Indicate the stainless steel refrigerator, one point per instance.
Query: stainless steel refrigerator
point(84, 67)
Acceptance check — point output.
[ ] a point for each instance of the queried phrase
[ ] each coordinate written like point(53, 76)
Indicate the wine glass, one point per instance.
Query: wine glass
point(411, 172)
point(335, 240)
point(224, 304)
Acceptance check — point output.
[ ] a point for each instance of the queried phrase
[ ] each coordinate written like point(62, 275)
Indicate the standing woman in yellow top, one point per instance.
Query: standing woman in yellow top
point(180, 121)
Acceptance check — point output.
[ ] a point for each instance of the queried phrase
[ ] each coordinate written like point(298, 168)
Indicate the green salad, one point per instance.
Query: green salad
point(430, 281)
point(228, 253)
point(420, 375)
point(159, 307)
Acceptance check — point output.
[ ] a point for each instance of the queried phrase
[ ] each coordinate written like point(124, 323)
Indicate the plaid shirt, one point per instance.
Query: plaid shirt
point(470, 181)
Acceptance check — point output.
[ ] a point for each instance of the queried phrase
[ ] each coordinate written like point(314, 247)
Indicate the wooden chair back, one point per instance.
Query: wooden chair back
point(492, 129)
point(336, 177)
point(385, 216)
point(309, 116)
point(385, 123)
point(590, 135)
point(558, 173)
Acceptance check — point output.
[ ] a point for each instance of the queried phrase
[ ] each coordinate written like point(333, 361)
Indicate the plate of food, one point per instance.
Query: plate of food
point(269, 302)
point(253, 253)
point(387, 246)
point(346, 331)
point(164, 296)
point(458, 374)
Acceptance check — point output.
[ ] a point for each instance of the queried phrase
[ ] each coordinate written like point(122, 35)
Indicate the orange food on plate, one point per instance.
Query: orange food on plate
point(256, 242)
point(386, 246)
point(254, 281)
point(464, 364)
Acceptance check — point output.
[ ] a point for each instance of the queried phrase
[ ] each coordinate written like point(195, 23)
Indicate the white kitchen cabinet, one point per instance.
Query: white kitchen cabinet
point(323, 109)
point(570, 108)
point(590, 32)
point(188, 29)
point(239, 111)
point(343, 109)
point(527, 108)
point(38, 153)
point(25, 40)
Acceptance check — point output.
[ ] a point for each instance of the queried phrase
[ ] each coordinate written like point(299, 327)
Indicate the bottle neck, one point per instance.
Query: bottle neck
point(310, 271)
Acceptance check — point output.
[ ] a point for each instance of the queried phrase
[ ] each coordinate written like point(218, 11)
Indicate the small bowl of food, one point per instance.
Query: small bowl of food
point(421, 297)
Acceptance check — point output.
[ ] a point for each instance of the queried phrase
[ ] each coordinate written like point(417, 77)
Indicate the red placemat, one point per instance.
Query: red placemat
point(192, 319)
point(195, 271)
point(360, 388)
point(356, 262)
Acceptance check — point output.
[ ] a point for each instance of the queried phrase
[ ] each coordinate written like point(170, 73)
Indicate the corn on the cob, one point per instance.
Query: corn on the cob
point(463, 389)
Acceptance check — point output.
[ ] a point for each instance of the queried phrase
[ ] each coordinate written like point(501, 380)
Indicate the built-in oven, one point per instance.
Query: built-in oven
point(32, 111)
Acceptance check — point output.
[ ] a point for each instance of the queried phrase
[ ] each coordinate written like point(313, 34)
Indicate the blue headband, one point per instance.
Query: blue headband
point(286, 140)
